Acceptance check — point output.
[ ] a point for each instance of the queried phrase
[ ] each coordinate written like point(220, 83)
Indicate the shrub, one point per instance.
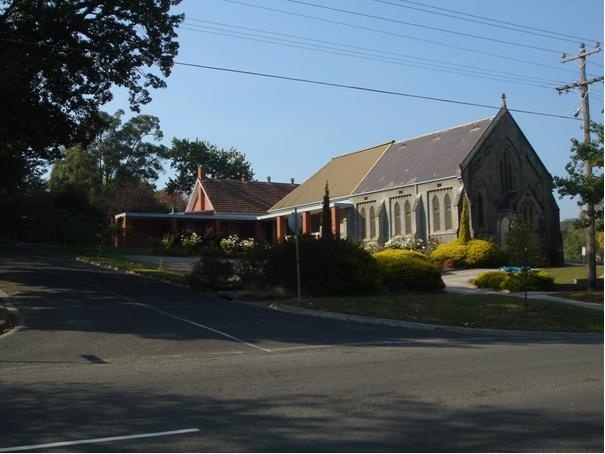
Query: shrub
point(481, 253)
point(211, 273)
point(330, 268)
point(411, 244)
point(170, 241)
point(233, 246)
point(491, 279)
point(473, 254)
point(408, 270)
point(372, 246)
point(536, 280)
point(455, 252)
point(396, 254)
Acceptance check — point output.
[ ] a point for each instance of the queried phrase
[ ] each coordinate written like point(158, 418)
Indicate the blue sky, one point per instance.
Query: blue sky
point(288, 129)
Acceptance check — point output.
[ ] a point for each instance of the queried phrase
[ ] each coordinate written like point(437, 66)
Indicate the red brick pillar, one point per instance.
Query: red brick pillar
point(124, 226)
point(173, 226)
point(217, 226)
point(306, 223)
point(335, 214)
point(280, 231)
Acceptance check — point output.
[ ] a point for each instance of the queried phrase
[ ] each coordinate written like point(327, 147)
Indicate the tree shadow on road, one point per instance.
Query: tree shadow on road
point(46, 413)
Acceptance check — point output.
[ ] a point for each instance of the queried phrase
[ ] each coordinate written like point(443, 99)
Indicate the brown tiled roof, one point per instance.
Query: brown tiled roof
point(429, 157)
point(236, 196)
point(342, 173)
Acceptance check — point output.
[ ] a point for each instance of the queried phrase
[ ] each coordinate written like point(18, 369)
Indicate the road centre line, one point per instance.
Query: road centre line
point(191, 322)
point(98, 440)
point(134, 302)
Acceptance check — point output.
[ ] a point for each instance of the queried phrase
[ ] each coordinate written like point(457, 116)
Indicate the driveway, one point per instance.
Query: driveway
point(458, 281)
point(107, 361)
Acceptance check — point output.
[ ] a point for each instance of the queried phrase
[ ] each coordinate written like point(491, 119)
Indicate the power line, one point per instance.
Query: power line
point(427, 27)
point(399, 35)
point(302, 80)
point(358, 55)
point(527, 28)
point(366, 89)
point(426, 63)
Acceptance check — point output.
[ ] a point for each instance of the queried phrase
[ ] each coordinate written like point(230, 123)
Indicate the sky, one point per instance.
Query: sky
point(290, 129)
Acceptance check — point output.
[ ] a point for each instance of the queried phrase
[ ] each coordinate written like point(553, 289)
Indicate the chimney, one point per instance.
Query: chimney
point(268, 179)
point(201, 172)
point(291, 180)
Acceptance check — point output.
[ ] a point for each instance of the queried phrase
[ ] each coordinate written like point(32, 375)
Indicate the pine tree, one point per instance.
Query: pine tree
point(464, 229)
point(326, 216)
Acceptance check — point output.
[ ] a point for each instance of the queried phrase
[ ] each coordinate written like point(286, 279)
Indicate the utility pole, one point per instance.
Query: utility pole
point(582, 85)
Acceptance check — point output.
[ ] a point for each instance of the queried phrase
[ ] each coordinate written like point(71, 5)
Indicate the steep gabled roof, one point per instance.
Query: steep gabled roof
point(236, 196)
point(343, 174)
point(428, 157)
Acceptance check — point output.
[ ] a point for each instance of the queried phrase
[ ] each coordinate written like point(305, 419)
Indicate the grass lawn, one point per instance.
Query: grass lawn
point(489, 311)
point(567, 274)
point(114, 257)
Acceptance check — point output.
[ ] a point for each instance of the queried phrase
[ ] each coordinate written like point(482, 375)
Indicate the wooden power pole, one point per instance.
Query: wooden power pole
point(582, 86)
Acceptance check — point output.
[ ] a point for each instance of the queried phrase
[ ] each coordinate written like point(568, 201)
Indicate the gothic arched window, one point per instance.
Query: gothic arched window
point(407, 216)
point(436, 214)
point(447, 208)
point(397, 216)
point(372, 223)
point(362, 215)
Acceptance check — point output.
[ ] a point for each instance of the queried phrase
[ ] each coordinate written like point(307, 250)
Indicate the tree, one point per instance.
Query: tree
point(522, 249)
point(60, 60)
point(185, 156)
point(326, 216)
point(119, 153)
point(464, 229)
point(588, 186)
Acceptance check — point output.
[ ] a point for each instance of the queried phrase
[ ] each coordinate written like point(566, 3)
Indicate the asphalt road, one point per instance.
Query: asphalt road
point(153, 367)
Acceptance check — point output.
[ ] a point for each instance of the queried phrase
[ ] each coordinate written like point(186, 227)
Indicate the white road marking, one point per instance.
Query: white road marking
point(98, 440)
point(191, 322)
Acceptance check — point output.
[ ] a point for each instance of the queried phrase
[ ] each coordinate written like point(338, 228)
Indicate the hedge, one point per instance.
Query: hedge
point(536, 280)
point(473, 254)
point(408, 270)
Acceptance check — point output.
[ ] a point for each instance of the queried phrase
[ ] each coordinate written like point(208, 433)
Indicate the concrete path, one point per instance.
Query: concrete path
point(458, 281)
point(174, 263)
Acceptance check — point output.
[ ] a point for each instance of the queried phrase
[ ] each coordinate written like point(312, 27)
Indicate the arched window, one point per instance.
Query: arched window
point(505, 168)
point(397, 215)
point(362, 215)
point(480, 211)
point(436, 214)
point(528, 213)
point(447, 208)
point(407, 213)
point(372, 223)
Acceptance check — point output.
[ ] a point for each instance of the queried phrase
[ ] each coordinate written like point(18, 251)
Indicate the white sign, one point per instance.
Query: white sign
point(583, 251)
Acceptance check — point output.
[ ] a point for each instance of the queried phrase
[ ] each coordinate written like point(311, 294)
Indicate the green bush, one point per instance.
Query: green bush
point(408, 270)
point(328, 268)
point(211, 273)
point(473, 254)
point(491, 279)
point(454, 251)
point(536, 280)
point(396, 254)
point(481, 253)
